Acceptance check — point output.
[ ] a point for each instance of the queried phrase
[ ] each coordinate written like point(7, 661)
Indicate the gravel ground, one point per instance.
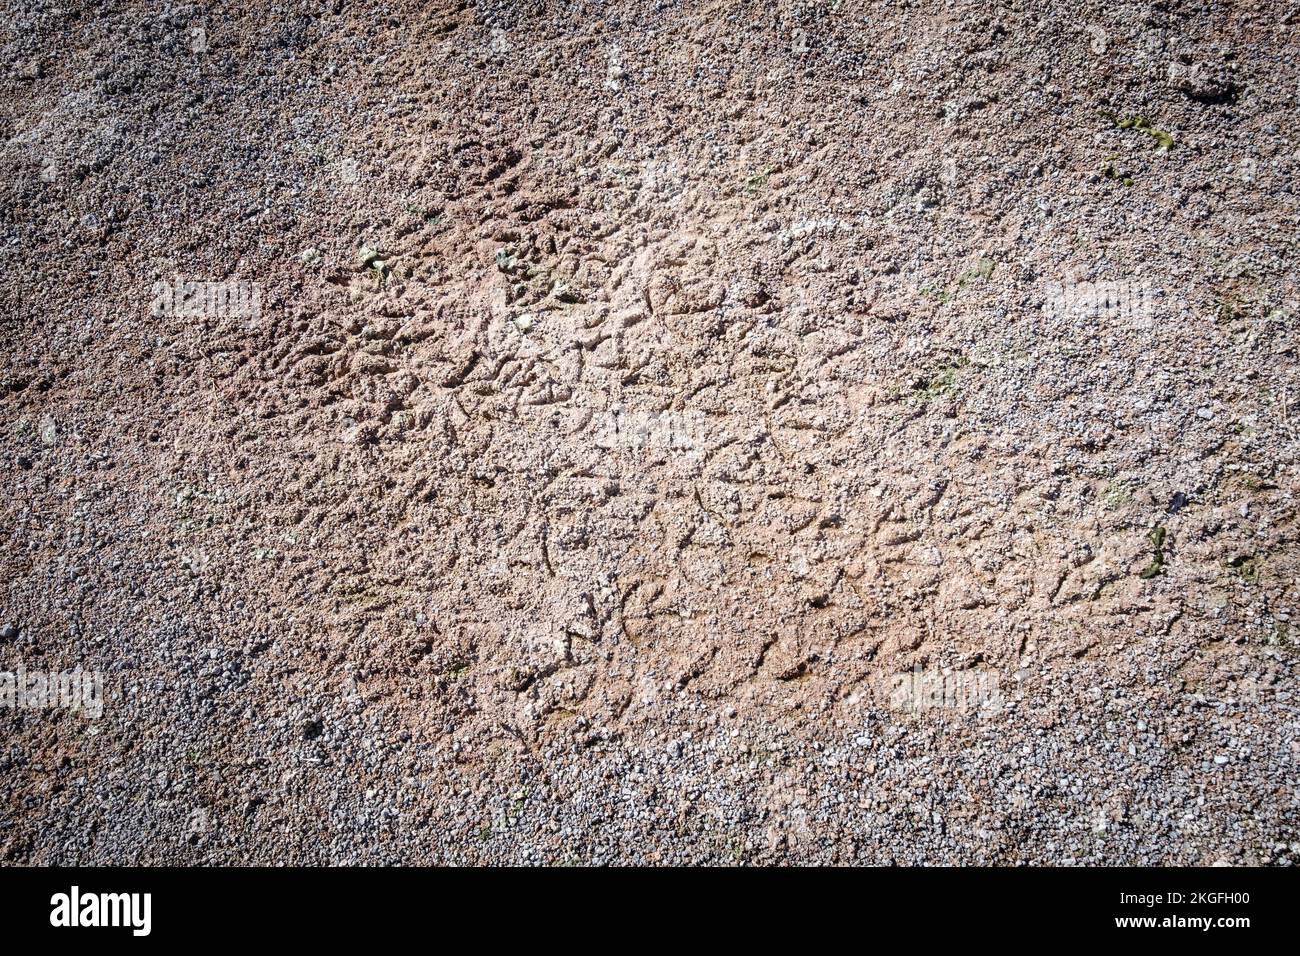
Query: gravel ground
point(651, 432)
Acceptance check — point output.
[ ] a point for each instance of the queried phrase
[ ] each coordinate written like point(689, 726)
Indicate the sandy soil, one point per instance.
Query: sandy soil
point(605, 404)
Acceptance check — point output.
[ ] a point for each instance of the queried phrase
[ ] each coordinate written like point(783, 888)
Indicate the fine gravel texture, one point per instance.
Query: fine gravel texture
point(651, 432)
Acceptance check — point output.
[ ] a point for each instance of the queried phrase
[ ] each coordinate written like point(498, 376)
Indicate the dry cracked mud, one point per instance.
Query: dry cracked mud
point(651, 432)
